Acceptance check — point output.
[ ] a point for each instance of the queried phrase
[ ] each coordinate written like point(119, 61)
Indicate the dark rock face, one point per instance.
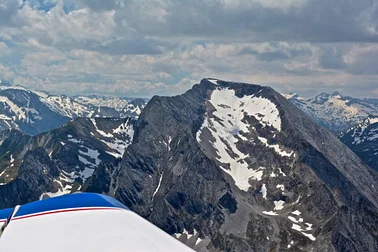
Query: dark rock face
point(245, 170)
point(363, 140)
point(35, 176)
point(60, 161)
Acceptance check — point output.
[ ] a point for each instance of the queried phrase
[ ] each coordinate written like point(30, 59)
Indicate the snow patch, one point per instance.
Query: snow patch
point(281, 186)
point(269, 213)
point(118, 145)
point(74, 140)
point(264, 191)
point(281, 172)
point(299, 229)
point(276, 148)
point(103, 133)
point(93, 154)
point(158, 187)
point(279, 205)
point(296, 212)
point(291, 244)
point(214, 81)
point(227, 129)
point(18, 111)
point(11, 160)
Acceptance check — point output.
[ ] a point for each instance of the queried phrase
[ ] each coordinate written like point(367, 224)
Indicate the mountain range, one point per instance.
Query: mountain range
point(33, 112)
point(59, 161)
point(225, 166)
point(334, 111)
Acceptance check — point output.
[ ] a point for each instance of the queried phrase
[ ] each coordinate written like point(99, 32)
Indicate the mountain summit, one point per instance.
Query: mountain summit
point(237, 167)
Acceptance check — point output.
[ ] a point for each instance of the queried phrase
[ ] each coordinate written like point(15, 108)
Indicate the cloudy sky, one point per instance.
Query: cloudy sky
point(146, 47)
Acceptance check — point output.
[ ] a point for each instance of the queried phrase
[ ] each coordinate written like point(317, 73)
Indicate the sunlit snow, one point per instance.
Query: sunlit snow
point(264, 191)
point(278, 205)
point(227, 129)
point(275, 147)
point(101, 132)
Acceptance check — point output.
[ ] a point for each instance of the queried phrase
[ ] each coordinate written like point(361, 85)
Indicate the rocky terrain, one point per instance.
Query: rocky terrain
point(35, 112)
point(224, 167)
point(60, 161)
point(334, 111)
point(363, 140)
point(236, 167)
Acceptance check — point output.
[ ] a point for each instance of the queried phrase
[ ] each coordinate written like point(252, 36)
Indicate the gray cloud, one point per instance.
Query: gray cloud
point(99, 5)
point(163, 46)
point(302, 20)
point(8, 10)
point(130, 46)
point(331, 57)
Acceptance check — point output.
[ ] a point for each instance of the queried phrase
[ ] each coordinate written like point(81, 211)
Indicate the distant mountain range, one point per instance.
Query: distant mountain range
point(334, 111)
point(34, 112)
point(353, 120)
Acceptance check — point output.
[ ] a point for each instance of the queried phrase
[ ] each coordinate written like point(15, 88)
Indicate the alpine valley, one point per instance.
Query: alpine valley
point(224, 167)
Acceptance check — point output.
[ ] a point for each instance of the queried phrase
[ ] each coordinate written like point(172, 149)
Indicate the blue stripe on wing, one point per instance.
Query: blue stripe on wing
point(78, 200)
point(5, 214)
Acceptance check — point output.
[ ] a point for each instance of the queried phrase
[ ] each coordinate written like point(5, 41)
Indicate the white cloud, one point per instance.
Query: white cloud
point(4, 49)
point(164, 46)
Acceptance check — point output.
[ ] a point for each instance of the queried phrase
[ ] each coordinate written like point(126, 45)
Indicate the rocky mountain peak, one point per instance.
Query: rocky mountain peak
point(321, 98)
point(291, 96)
point(371, 120)
point(336, 95)
point(243, 169)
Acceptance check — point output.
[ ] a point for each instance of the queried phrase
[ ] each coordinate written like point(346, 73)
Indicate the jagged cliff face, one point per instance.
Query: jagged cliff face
point(60, 161)
point(237, 167)
point(362, 139)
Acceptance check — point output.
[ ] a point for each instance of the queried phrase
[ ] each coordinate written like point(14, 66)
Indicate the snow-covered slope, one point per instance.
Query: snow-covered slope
point(34, 112)
point(66, 106)
point(363, 140)
point(102, 101)
point(67, 157)
point(334, 111)
point(26, 110)
point(227, 127)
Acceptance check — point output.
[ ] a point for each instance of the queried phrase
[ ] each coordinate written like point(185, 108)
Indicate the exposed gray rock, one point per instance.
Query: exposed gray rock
point(362, 139)
point(174, 174)
point(59, 161)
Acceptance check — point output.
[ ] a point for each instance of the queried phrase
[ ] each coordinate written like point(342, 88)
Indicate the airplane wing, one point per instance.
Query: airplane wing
point(81, 222)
